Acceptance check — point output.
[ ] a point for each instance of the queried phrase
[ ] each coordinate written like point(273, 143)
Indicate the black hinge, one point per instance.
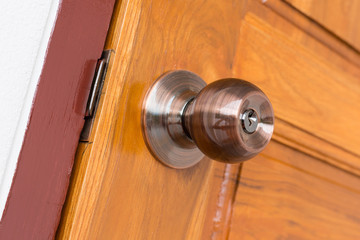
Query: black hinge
point(95, 93)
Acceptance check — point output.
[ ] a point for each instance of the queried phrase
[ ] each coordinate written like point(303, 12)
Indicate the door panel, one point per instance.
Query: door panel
point(118, 189)
point(285, 194)
point(317, 31)
point(306, 90)
point(339, 16)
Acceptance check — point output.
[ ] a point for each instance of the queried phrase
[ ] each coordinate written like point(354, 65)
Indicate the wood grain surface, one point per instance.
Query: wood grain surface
point(119, 191)
point(339, 16)
point(306, 184)
point(285, 194)
point(306, 89)
point(315, 30)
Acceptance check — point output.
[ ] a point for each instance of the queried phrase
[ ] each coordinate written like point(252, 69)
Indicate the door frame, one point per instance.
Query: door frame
point(39, 186)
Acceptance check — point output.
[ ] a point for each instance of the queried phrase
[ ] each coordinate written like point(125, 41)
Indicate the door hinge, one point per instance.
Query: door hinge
point(95, 92)
point(98, 80)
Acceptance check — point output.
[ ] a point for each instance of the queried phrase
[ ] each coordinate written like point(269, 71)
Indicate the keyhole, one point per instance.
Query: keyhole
point(249, 120)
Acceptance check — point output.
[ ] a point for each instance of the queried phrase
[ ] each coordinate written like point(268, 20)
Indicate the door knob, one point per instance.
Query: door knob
point(183, 119)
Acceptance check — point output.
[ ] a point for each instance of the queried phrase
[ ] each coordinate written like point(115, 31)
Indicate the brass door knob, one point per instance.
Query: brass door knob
point(229, 120)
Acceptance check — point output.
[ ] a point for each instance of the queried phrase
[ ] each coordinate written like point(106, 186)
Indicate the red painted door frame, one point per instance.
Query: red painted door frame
point(40, 183)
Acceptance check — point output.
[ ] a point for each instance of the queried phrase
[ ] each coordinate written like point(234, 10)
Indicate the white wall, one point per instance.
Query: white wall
point(25, 30)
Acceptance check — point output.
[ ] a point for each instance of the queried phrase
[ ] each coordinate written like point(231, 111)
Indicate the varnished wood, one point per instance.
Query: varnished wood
point(120, 187)
point(339, 16)
point(284, 194)
point(120, 191)
point(304, 141)
point(306, 88)
point(315, 29)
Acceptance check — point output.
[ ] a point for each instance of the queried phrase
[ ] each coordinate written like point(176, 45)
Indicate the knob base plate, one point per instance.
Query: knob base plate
point(162, 122)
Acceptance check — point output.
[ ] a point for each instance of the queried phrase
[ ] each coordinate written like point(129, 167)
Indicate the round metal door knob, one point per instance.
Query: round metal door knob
point(183, 119)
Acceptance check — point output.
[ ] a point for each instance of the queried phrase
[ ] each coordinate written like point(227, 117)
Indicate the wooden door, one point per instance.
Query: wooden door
point(304, 185)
